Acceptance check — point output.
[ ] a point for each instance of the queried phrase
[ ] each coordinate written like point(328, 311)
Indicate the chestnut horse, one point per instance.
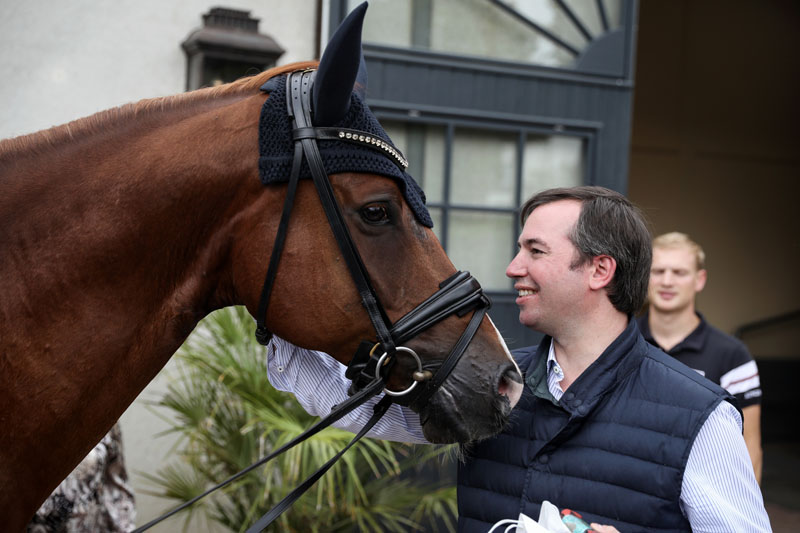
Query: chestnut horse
point(120, 231)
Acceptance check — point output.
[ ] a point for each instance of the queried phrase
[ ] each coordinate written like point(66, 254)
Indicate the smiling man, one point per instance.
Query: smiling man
point(607, 425)
point(673, 324)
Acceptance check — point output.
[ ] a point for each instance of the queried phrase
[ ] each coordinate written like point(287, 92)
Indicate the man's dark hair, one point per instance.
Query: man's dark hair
point(609, 224)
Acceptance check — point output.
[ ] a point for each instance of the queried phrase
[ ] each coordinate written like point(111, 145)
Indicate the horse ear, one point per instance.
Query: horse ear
point(339, 69)
point(361, 79)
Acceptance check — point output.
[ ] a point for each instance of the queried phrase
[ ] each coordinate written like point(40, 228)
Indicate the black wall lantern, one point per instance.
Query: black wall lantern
point(227, 47)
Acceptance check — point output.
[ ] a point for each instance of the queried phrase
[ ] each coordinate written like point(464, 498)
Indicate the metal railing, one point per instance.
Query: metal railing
point(765, 323)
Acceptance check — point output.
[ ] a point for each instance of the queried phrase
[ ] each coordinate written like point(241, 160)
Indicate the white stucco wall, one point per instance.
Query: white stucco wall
point(62, 60)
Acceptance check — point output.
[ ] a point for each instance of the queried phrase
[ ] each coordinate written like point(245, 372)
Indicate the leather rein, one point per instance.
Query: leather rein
point(371, 365)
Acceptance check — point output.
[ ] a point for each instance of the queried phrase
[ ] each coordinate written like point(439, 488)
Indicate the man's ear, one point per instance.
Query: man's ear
point(602, 271)
point(700, 280)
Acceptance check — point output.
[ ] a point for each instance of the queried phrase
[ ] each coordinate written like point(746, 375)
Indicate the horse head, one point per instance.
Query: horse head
point(315, 303)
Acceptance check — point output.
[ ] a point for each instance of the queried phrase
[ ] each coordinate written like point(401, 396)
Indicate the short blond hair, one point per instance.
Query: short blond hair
point(676, 239)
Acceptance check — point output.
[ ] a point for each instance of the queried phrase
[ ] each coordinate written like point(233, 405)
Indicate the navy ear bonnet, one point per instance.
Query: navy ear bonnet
point(276, 148)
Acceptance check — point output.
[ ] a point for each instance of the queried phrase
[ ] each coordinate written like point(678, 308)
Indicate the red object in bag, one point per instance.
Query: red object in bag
point(575, 522)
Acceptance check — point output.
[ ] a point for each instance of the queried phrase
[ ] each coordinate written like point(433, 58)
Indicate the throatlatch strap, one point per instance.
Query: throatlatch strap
point(263, 335)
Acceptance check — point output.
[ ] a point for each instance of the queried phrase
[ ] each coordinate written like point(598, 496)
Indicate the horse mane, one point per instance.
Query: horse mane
point(92, 124)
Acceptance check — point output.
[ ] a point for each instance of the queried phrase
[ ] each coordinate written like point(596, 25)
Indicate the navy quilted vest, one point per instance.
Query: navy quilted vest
point(613, 449)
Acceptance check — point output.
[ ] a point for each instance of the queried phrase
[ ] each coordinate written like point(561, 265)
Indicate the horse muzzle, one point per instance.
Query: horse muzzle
point(468, 409)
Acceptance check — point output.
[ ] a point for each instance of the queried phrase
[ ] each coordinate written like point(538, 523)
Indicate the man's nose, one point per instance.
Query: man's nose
point(514, 268)
point(667, 278)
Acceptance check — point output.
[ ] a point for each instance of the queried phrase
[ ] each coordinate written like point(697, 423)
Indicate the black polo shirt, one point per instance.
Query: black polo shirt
point(718, 356)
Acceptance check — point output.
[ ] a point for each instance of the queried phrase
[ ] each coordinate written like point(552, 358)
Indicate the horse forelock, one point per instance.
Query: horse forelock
point(85, 127)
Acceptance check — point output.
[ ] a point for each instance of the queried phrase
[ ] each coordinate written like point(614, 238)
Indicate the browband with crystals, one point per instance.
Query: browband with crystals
point(361, 138)
point(356, 142)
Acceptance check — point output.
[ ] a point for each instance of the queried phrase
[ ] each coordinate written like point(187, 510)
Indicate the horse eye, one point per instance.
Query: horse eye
point(375, 213)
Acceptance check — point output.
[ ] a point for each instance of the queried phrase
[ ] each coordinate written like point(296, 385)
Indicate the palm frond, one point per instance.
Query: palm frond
point(228, 416)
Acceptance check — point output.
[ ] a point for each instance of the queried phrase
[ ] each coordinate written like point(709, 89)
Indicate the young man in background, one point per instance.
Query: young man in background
point(673, 324)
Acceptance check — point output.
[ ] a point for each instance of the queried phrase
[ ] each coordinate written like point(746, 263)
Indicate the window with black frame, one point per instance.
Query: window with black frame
point(475, 179)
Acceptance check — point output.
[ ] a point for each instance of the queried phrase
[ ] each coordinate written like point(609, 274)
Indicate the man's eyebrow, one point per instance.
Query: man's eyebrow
point(534, 241)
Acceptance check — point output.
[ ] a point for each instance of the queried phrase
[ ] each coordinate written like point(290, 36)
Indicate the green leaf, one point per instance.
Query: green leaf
point(228, 415)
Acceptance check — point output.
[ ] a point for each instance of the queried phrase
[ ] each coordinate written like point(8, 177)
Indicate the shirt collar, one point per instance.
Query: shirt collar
point(617, 361)
point(554, 373)
point(538, 373)
point(697, 338)
point(551, 357)
point(693, 342)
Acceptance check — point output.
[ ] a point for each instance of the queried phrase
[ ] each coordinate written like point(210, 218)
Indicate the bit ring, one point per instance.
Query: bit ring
point(381, 363)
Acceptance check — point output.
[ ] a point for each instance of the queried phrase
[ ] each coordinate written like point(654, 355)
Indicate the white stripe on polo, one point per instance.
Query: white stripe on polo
point(741, 379)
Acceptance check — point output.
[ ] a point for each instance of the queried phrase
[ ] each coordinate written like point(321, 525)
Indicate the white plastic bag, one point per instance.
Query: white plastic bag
point(550, 518)
point(549, 522)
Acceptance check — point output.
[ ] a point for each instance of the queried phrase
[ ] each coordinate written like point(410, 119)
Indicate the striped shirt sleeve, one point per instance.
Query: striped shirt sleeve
point(719, 492)
point(318, 382)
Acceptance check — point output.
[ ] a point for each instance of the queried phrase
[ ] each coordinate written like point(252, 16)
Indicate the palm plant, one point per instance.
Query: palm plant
point(229, 416)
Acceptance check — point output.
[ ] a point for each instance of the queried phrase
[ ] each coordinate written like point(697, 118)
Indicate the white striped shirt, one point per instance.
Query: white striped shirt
point(719, 493)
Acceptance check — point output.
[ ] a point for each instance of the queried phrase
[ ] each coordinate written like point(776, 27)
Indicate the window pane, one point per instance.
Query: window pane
point(484, 29)
point(481, 243)
point(423, 146)
point(547, 14)
point(614, 12)
point(555, 161)
point(484, 168)
point(587, 13)
point(487, 30)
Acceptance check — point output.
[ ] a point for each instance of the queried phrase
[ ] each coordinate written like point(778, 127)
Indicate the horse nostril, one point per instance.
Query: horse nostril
point(504, 386)
point(510, 385)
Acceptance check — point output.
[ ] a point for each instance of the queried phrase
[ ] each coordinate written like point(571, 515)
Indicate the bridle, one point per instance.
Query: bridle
point(373, 362)
point(458, 294)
